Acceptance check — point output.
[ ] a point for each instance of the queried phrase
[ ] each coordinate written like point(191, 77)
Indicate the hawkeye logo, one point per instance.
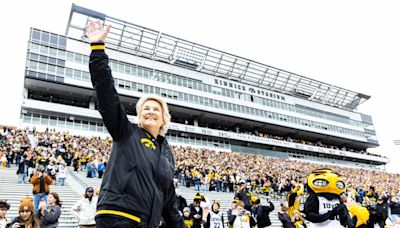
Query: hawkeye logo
point(148, 143)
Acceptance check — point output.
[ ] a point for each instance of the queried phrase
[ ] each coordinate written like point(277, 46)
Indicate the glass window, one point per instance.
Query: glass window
point(51, 77)
point(62, 41)
point(31, 73)
point(44, 50)
point(53, 121)
point(140, 88)
point(42, 58)
point(77, 74)
point(35, 34)
point(45, 120)
point(99, 127)
point(120, 67)
point(33, 65)
point(53, 61)
point(140, 72)
point(51, 69)
point(45, 37)
point(33, 56)
point(127, 69)
point(77, 124)
point(61, 54)
point(85, 125)
point(85, 59)
point(70, 56)
point(146, 89)
point(85, 76)
point(53, 52)
point(53, 39)
point(35, 47)
point(68, 72)
point(42, 76)
point(69, 123)
point(78, 58)
point(42, 67)
point(92, 126)
point(60, 62)
point(36, 118)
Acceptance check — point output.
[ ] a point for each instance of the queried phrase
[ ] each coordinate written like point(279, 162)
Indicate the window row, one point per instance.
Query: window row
point(58, 71)
point(59, 53)
point(189, 98)
point(197, 141)
point(165, 77)
point(48, 38)
point(63, 122)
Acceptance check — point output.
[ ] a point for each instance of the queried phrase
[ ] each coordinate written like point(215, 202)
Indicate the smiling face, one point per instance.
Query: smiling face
point(51, 200)
point(151, 117)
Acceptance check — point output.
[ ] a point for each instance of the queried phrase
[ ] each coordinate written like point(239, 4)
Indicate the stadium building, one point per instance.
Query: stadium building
point(217, 99)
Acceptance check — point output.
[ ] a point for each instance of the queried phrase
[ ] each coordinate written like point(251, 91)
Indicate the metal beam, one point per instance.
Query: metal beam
point(140, 41)
point(241, 77)
point(156, 44)
point(261, 80)
point(122, 36)
point(231, 68)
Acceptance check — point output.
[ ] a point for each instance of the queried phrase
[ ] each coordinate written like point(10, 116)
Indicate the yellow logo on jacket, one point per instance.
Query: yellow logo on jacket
point(148, 143)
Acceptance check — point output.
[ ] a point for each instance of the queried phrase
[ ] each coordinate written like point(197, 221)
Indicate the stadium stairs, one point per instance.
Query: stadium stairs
point(13, 192)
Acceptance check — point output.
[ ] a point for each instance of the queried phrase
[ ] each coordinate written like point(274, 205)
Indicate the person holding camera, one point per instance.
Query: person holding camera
point(40, 181)
point(26, 217)
point(50, 214)
point(241, 217)
point(262, 212)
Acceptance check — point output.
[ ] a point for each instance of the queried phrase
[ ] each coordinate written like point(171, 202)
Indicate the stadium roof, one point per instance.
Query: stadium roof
point(141, 41)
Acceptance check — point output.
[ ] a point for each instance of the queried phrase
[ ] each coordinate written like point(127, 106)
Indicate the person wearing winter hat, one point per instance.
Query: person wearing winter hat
point(26, 217)
point(196, 212)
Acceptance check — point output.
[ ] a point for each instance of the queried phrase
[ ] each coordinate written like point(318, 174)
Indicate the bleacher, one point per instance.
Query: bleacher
point(13, 192)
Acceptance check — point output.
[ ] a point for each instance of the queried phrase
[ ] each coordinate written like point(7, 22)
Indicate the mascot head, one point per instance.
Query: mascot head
point(326, 181)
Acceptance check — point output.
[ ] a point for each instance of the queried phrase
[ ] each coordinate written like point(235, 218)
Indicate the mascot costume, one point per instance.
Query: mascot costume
point(323, 207)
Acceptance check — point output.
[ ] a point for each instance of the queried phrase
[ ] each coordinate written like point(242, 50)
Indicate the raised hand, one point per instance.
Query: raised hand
point(96, 32)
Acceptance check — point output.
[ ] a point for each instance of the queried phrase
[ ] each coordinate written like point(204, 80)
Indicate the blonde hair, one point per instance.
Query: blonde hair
point(164, 107)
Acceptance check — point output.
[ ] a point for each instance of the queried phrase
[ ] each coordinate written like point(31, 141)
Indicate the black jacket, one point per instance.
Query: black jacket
point(139, 176)
point(23, 167)
point(245, 196)
point(196, 221)
point(285, 220)
point(261, 213)
point(394, 207)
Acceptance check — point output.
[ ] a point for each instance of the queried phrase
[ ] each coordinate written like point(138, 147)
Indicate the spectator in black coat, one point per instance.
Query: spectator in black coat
point(261, 213)
point(196, 212)
point(394, 206)
point(22, 170)
point(284, 216)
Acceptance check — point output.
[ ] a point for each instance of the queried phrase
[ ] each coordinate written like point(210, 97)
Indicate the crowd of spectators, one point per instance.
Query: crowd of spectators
point(272, 136)
point(201, 168)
